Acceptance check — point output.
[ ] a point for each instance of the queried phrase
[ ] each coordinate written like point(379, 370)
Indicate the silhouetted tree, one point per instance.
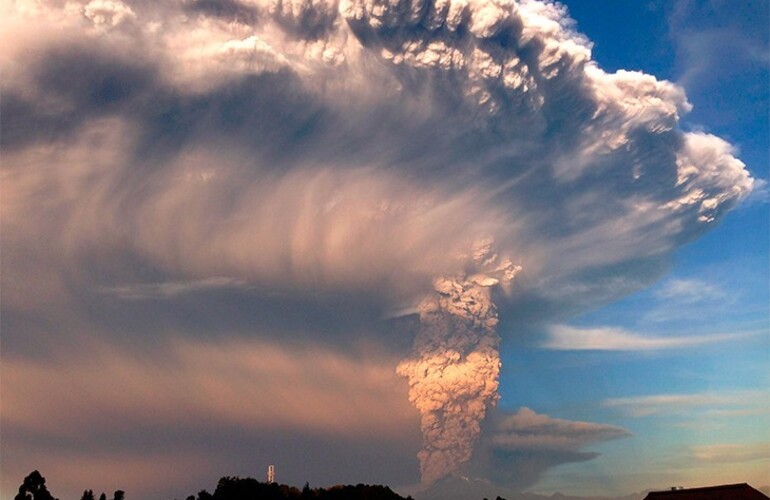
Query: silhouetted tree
point(34, 487)
point(119, 495)
point(88, 495)
point(205, 495)
point(306, 492)
point(102, 497)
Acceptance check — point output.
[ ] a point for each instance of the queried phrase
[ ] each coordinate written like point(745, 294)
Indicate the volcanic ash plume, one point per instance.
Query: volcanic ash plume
point(454, 368)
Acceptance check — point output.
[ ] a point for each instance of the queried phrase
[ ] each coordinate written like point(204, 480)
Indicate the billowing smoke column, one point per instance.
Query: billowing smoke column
point(455, 365)
point(453, 373)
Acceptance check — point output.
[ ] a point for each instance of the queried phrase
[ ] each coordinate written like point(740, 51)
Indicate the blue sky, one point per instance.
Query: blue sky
point(718, 51)
point(307, 233)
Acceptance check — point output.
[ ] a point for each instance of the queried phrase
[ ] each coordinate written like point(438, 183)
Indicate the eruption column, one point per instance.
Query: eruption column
point(454, 369)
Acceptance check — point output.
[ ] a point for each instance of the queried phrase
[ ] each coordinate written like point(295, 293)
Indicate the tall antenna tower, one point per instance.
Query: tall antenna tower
point(270, 474)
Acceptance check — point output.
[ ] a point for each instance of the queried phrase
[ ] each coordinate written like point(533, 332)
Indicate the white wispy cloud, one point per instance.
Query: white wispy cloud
point(709, 52)
point(689, 290)
point(724, 453)
point(760, 195)
point(688, 299)
point(568, 338)
point(717, 404)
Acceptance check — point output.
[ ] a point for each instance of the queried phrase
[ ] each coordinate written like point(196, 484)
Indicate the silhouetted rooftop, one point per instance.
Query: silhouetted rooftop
point(741, 491)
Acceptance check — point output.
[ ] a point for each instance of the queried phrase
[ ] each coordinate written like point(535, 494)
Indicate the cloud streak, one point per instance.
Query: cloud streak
point(731, 453)
point(689, 291)
point(568, 338)
point(728, 404)
point(245, 384)
point(145, 291)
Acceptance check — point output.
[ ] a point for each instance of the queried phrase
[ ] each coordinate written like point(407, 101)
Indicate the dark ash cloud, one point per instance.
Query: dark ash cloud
point(290, 172)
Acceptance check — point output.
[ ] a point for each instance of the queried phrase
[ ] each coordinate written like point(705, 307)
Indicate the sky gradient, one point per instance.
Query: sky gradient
point(521, 242)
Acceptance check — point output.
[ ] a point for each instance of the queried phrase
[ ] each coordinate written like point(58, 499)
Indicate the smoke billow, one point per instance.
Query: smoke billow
point(455, 365)
point(317, 148)
point(516, 448)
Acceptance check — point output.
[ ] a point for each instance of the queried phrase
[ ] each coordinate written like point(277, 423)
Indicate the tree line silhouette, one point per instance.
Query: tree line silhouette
point(34, 488)
point(234, 488)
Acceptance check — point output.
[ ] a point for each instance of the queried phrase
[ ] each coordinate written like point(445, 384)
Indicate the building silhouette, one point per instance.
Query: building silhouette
point(741, 491)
